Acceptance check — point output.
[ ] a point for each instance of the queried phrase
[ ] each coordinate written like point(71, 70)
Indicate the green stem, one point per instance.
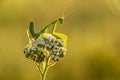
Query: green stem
point(44, 68)
point(52, 63)
point(39, 69)
point(44, 72)
point(43, 77)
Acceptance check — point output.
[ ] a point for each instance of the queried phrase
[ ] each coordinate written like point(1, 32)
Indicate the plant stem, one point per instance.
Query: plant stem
point(43, 70)
point(43, 77)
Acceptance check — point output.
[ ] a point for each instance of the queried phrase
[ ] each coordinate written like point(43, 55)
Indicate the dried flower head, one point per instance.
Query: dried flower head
point(45, 45)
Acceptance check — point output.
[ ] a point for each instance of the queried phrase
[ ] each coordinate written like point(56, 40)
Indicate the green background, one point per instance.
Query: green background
point(93, 29)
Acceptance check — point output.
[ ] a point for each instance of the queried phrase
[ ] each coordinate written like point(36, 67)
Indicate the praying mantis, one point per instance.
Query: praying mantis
point(35, 35)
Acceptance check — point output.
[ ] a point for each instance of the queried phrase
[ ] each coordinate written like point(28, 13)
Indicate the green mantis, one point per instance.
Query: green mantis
point(45, 49)
point(35, 35)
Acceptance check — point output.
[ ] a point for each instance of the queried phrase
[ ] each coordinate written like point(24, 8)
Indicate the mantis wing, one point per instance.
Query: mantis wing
point(61, 36)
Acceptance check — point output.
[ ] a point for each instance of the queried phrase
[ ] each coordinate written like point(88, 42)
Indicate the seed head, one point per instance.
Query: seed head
point(36, 50)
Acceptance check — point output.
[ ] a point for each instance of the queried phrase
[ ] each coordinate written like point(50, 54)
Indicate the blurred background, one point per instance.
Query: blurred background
point(93, 29)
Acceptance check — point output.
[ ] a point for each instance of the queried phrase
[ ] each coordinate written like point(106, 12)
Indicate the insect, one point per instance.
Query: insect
point(52, 24)
point(35, 35)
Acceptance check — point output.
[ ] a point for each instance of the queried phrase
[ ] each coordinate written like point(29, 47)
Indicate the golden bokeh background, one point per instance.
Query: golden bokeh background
point(93, 29)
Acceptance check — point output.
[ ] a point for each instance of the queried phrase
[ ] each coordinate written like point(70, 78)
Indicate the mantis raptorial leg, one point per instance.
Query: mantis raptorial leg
point(35, 35)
